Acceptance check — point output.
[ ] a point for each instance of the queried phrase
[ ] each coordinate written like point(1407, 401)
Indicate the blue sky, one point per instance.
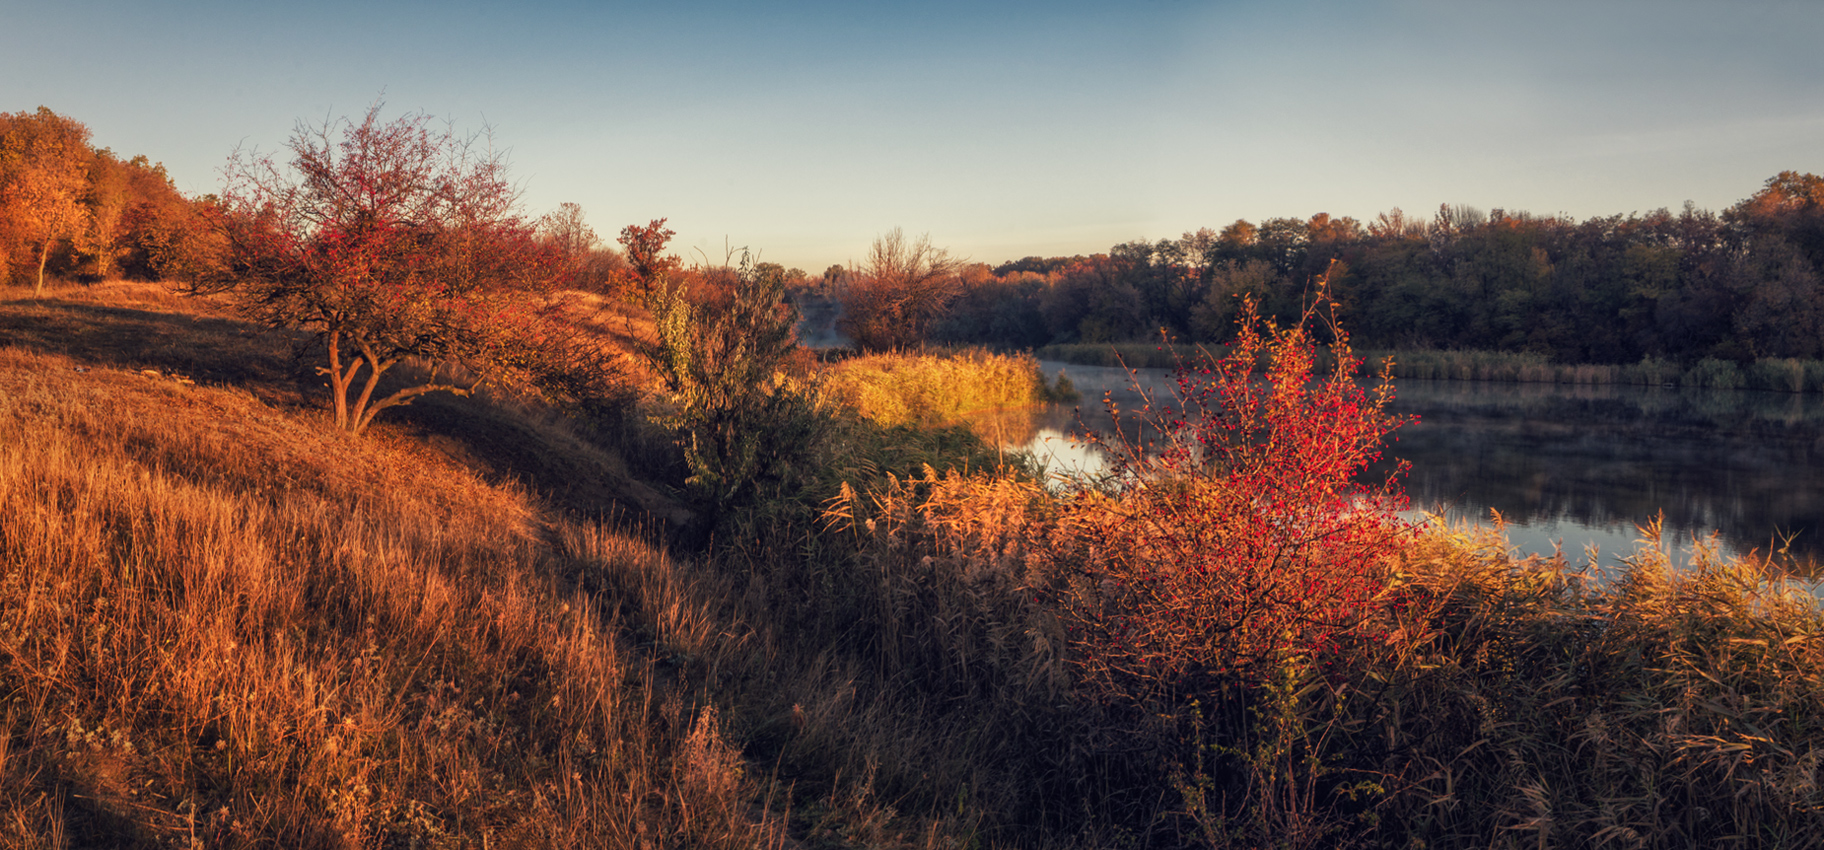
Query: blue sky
point(805, 129)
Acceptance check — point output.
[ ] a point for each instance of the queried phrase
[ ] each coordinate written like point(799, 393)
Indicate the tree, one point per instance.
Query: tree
point(1234, 286)
point(1234, 240)
point(1247, 534)
point(592, 265)
point(1394, 225)
point(390, 241)
point(44, 161)
point(166, 236)
point(1791, 207)
point(110, 184)
point(567, 229)
point(901, 289)
point(645, 253)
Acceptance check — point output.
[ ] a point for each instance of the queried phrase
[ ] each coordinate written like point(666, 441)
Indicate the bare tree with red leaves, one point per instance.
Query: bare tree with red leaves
point(903, 287)
point(390, 241)
point(645, 254)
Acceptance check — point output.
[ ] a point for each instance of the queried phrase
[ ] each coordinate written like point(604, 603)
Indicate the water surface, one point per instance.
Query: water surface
point(1571, 466)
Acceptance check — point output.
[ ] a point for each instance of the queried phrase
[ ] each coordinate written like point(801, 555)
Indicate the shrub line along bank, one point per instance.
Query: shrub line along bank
point(1777, 374)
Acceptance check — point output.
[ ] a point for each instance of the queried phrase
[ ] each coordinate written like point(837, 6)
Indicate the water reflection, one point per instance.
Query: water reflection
point(1576, 466)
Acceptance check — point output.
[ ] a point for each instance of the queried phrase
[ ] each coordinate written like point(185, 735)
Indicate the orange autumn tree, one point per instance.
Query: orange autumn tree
point(44, 162)
point(390, 241)
point(1243, 539)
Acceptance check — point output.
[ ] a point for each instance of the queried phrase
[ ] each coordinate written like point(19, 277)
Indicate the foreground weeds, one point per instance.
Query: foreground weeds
point(1231, 643)
point(1650, 708)
point(1505, 702)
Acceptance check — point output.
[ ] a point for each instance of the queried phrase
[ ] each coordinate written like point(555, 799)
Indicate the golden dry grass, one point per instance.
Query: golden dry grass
point(225, 625)
point(902, 387)
point(1508, 703)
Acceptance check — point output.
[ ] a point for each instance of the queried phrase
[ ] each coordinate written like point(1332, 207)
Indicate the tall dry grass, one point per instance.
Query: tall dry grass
point(899, 388)
point(1506, 703)
point(222, 626)
point(1545, 704)
point(1787, 375)
point(1768, 374)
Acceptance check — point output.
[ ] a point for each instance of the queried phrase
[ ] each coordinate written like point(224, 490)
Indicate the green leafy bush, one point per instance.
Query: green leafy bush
point(742, 422)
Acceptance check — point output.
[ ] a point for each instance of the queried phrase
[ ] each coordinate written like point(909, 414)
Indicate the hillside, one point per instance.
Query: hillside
point(224, 625)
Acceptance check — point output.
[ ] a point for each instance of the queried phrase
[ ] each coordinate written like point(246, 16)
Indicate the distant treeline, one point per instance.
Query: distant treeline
point(70, 210)
point(1738, 287)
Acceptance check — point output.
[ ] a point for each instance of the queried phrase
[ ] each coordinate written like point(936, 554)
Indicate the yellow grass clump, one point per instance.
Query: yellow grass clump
point(909, 388)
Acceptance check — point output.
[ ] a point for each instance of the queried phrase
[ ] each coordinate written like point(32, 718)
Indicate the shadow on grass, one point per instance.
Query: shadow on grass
point(536, 450)
point(500, 439)
point(205, 349)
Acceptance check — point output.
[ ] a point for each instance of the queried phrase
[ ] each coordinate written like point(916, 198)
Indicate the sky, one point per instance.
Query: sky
point(804, 130)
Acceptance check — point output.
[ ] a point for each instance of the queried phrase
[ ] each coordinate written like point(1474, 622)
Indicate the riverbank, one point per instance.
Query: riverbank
point(1785, 375)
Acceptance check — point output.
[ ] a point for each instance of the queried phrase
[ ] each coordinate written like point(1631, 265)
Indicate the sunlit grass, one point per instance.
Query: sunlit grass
point(222, 624)
point(899, 388)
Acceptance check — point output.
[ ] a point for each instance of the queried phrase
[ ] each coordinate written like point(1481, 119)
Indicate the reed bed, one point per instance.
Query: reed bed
point(899, 388)
point(1505, 703)
point(1772, 375)
point(1539, 703)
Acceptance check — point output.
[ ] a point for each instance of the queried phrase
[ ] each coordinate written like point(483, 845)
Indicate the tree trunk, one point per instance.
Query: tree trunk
point(44, 253)
point(338, 379)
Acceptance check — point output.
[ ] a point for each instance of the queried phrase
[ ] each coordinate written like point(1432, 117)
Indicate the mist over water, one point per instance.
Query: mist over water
point(1577, 466)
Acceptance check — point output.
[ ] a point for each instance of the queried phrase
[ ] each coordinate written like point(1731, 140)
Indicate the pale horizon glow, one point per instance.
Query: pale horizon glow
point(804, 130)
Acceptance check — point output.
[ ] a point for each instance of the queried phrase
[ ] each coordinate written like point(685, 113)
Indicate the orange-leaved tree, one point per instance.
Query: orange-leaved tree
point(1243, 539)
point(44, 162)
point(390, 241)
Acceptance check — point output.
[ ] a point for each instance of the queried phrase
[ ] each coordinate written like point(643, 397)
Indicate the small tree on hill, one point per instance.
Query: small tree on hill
point(649, 265)
point(390, 241)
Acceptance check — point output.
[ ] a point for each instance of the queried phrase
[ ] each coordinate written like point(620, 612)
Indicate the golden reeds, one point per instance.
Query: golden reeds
point(926, 389)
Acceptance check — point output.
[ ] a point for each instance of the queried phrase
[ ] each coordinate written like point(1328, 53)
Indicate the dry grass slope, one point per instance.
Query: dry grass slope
point(225, 625)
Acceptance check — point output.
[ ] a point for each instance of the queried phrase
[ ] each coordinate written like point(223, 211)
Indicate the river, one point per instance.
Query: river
point(1572, 466)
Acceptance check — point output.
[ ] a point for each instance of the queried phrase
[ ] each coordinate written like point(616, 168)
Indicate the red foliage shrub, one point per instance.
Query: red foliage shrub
point(1242, 540)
